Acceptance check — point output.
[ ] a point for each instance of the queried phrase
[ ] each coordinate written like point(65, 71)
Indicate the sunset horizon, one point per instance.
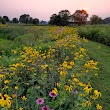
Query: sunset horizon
point(44, 9)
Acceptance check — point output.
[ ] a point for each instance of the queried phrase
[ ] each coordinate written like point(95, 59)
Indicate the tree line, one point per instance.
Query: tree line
point(63, 18)
point(25, 18)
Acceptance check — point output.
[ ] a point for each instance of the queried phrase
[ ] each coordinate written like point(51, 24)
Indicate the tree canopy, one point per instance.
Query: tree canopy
point(96, 19)
point(61, 19)
point(80, 17)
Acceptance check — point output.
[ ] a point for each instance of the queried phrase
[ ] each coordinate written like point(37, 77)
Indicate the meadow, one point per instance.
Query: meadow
point(54, 68)
point(97, 33)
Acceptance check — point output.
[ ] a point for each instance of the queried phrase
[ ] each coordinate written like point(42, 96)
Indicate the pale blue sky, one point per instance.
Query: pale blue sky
point(43, 9)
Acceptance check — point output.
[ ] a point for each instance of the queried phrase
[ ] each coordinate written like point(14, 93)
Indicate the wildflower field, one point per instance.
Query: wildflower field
point(52, 68)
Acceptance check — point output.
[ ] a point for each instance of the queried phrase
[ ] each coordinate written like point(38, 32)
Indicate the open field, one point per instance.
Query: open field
point(55, 64)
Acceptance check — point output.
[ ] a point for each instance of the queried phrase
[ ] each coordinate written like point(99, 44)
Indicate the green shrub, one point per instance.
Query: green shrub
point(97, 33)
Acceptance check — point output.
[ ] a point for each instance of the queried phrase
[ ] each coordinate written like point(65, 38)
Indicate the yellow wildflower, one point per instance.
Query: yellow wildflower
point(81, 84)
point(75, 79)
point(63, 73)
point(20, 108)
point(87, 103)
point(68, 88)
point(65, 64)
point(71, 63)
point(2, 76)
point(97, 94)
point(99, 107)
point(58, 84)
point(24, 98)
point(55, 91)
point(88, 89)
point(5, 100)
point(6, 81)
point(69, 67)
point(16, 87)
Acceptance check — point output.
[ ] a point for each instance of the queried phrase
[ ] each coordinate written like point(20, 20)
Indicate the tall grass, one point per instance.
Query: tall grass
point(97, 33)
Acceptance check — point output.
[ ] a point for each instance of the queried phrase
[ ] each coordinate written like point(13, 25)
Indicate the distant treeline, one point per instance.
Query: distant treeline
point(25, 19)
point(63, 18)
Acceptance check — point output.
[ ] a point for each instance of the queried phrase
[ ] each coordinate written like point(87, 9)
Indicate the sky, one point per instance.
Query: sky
point(43, 9)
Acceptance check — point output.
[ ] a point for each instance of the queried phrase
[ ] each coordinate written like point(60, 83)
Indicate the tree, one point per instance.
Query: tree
point(24, 18)
point(52, 19)
point(61, 19)
point(3, 21)
point(80, 17)
point(6, 18)
point(95, 20)
point(15, 20)
point(64, 14)
point(35, 21)
point(0, 19)
point(30, 20)
point(106, 20)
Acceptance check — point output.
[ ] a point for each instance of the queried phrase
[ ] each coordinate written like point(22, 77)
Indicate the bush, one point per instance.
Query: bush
point(97, 33)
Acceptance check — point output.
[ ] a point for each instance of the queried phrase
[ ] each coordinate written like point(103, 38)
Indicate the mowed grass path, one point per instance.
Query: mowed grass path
point(101, 53)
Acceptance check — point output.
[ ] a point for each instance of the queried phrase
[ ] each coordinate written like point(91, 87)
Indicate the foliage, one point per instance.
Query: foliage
point(0, 19)
point(6, 18)
point(35, 21)
point(80, 17)
point(58, 74)
point(3, 21)
point(97, 33)
point(15, 20)
point(61, 19)
point(24, 18)
point(95, 20)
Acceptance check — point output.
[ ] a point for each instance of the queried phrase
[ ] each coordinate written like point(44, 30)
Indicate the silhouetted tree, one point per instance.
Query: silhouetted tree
point(52, 19)
point(80, 17)
point(61, 19)
point(15, 20)
point(35, 21)
point(6, 18)
point(0, 19)
point(64, 14)
point(3, 21)
point(24, 18)
point(95, 20)
point(31, 20)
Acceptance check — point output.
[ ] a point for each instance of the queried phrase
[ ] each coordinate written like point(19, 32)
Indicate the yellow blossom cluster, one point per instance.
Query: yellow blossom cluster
point(91, 64)
point(5, 100)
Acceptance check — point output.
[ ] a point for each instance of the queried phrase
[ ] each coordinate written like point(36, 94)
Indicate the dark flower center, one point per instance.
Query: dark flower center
point(45, 108)
point(39, 100)
point(53, 93)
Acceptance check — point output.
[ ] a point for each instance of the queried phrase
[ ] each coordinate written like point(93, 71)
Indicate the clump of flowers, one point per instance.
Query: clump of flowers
point(53, 93)
point(5, 100)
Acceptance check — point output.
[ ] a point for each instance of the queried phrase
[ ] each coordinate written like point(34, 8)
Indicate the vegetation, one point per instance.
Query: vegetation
point(80, 17)
point(64, 18)
point(61, 19)
point(97, 33)
point(96, 20)
point(51, 68)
